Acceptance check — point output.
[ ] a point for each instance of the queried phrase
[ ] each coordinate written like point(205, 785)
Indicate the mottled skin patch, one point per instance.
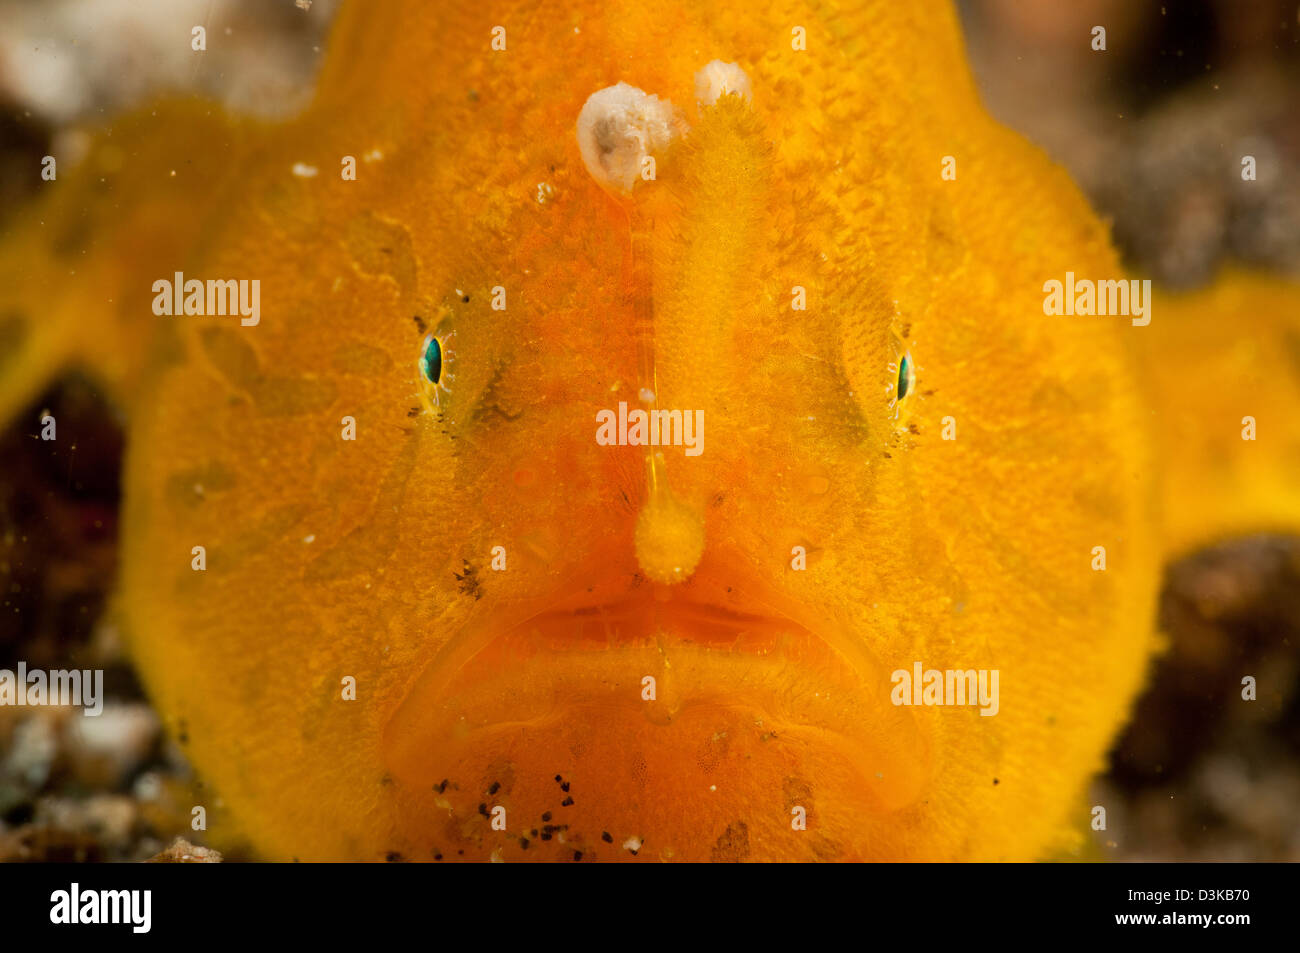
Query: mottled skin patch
point(970, 553)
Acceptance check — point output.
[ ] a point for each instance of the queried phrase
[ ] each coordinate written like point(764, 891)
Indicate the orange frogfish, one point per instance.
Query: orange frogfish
point(625, 431)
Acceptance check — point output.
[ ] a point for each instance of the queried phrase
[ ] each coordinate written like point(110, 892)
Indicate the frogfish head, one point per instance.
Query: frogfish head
point(716, 511)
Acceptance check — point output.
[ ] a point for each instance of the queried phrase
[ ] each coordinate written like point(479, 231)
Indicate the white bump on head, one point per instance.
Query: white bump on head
point(719, 79)
point(618, 127)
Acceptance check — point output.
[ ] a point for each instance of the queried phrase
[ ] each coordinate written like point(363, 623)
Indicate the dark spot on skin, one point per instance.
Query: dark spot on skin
point(546, 816)
point(465, 299)
point(913, 428)
point(183, 733)
point(496, 786)
point(732, 845)
point(420, 323)
point(393, 857)
point(482, 809)
point(558, 778)
point(523, 842)
point(605, 836)
point(441, 787)
point(437, 856)
point(496, 409)
point(995, 780)
point(413, 412)
point(545, 836)
point(565, 787)
point(469, 581)
point(577, 855)
point(567, 802)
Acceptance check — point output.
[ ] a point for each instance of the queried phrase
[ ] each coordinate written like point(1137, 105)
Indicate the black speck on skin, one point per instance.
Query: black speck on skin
point(468, 581)
point(437, 856)
point(995, 780)
point(559, 777)
point(482, 809)
point(440, 788)
point(545, 835)
point(565, 787)
point(605, 836)
point(393, 857)
point(546, 816)
point(567, 802)
point(523, 842)
point(496, 786)
point(577, 855)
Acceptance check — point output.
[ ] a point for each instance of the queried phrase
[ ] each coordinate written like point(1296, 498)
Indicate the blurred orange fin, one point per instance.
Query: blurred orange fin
point(1223, 369)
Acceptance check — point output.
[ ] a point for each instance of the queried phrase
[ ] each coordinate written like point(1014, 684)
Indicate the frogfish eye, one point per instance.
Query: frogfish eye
point(431, 359)
point(906, 376)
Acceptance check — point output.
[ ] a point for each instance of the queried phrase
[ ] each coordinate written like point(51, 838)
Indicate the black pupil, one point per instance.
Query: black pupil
point(433, 360)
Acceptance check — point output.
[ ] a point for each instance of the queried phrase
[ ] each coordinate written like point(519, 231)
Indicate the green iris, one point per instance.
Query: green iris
point(431, 360)
point(904, 376)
